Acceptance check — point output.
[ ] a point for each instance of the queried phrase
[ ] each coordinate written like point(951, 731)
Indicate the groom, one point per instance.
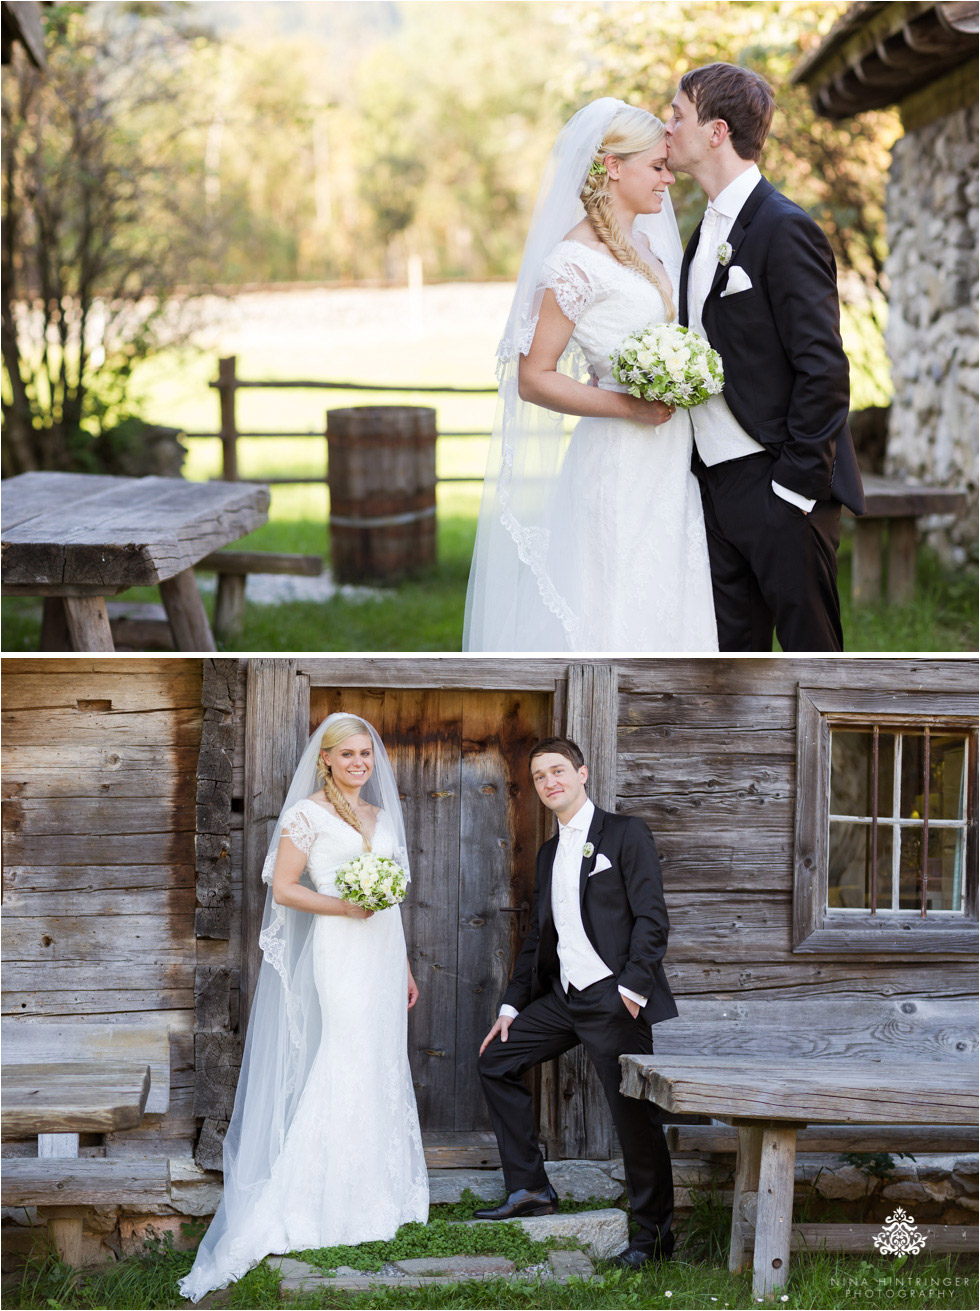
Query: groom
point(589, 972)
point(773, 453)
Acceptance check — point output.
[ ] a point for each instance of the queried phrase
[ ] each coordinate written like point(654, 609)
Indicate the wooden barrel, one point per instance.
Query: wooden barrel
point(382, 479)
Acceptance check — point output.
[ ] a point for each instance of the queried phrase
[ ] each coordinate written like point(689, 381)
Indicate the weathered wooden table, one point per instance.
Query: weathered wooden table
point(58, 1101)
point(894, 505)
point(77, 538)
point(770, 1100)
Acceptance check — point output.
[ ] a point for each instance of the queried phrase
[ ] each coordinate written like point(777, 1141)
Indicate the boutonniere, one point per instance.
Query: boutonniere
point(588, 851)
point(724, 253)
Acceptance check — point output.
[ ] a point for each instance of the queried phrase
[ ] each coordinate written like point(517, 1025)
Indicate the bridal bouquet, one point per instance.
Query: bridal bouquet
point(371, 881)
point(669, 363)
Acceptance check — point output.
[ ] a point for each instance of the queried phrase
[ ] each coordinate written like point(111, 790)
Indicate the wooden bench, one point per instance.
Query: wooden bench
point(62, 1080)
point(769, 1100)
point(233, 568)
point(893, 508)
point(75, 539)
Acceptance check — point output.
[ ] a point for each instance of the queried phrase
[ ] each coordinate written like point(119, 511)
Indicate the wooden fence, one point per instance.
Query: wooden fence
point(228, 384)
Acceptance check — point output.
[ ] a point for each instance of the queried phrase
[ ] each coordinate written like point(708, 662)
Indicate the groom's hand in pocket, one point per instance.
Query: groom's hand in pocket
point(501, 1025)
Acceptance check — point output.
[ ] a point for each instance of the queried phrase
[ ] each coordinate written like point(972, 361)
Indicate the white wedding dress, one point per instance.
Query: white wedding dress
point(351, 1167)
point(625, 567)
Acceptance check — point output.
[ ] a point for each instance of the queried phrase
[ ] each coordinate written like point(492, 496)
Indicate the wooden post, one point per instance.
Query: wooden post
point(88, 623)
point(901, 560)
point(866, 562)
point(227, 387)
point(774, 1216)
point(185, 610)
point(54, 625)
point(229, 609)
point(64, 1222)
point(746, 1192)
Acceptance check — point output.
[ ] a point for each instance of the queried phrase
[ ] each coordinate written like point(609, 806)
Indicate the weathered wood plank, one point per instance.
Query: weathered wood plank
point(851, 1091)
point(776, 678)
point(435, 672)
point(73, 1097)
point(93, 938)
point(728, 927)
point(179, 726)
point(720, 1139)
point(841, 1026)
point(499, 829)
point(96, 878)
point(758, 790)
point(57, 684)
point(217, 1060)
point(422, 731)
point(137, 531)
point(99, 902)
point(61, 849)
point(68, 1002)
point(747, 1164)
point(809, 978)
point(860, 1238)
point(458, 1151)
point(106, 978)
point(649, 744)
point(649, 719)
point(97, 814)
point(90, 1181)
point(33, 1042)
point(270, 760)
point(262, 562)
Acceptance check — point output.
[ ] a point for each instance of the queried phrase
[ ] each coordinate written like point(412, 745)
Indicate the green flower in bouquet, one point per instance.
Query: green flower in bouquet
point(668, 363)
point(371, 881)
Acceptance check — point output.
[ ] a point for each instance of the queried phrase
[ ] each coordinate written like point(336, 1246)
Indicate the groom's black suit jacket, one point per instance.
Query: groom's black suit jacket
point(786, 374)
point(623, 914)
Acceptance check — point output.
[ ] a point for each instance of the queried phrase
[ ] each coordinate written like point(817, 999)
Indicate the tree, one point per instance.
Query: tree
point(95, 234)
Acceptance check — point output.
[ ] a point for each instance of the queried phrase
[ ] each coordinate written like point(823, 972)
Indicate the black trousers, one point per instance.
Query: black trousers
point(550, 1025)
point(772, 566)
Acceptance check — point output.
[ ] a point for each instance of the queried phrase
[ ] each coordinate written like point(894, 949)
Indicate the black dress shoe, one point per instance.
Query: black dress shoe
point(540, 1201)
point(636, 1258)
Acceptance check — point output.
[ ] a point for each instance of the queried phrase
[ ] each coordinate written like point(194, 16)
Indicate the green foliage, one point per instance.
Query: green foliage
point(706, 1231)
point(874, 1165)
point(440, 1237)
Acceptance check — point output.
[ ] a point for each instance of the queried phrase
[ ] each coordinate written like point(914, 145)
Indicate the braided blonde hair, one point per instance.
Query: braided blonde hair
point(339, 731)
point(631, 132)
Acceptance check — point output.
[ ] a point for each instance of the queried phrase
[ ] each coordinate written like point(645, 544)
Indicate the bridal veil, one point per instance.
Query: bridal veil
point(509, 576)
point(283, 1034)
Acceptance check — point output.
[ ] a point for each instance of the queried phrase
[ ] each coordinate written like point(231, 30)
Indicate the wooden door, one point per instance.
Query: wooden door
point(473, 824)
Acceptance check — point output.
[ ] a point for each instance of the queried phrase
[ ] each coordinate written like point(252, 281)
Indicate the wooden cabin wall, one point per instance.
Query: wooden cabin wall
point(707, 756)
point(99, 766)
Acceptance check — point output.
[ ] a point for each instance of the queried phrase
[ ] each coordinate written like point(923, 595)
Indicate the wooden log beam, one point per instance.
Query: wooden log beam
point(88, 623)
point(229, 609)
point(774, 1213)
point(73, 1097)
point(89, 1181)
point(722, 1140)
point(860, 1238)
point(261, 562)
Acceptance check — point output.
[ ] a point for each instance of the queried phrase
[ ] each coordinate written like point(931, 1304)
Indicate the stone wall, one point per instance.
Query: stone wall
point(932, 328)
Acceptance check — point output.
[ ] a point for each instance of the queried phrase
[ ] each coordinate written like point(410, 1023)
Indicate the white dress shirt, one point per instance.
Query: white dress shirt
point(718, 434)
point(579, 962)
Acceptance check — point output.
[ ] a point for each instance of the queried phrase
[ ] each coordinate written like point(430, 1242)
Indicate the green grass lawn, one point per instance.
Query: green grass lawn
point(426, 613)
point(816, 1281)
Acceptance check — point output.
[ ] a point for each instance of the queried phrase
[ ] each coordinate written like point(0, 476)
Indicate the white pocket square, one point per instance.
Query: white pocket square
point(738, 280)
point(601, 862)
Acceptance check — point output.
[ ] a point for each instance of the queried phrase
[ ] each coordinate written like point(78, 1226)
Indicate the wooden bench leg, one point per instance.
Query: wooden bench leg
point(64, 1222)
point(901, 561)
point(54, 625)
point(746, 1192)
point(185, 610)
point(88, 623)
point(866, 561)
point(229, 608)
point(774, 1216)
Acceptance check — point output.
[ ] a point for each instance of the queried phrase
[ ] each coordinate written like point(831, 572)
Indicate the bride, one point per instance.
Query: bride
point(324, 1146)
point(597, 542)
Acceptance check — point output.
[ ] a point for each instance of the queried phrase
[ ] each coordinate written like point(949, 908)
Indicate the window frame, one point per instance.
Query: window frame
point(817, 928)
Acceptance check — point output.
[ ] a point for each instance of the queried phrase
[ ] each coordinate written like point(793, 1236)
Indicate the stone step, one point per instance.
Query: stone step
point(425, 1272)
point(602, 1233)
point(577, 1180)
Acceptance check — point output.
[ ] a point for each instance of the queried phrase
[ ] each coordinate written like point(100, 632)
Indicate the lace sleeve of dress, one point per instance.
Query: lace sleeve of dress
point(298, 827)
point(565, 276)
